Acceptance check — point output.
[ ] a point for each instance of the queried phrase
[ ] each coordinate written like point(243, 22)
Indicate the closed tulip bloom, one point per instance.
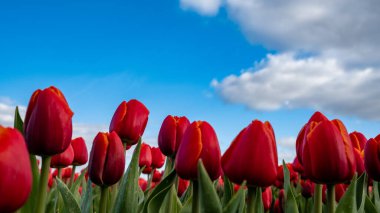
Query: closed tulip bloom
point(172, 130)
point(143, 184)
point(199, 142)
point(147, 170)
point(80, 151)
point(307, 188)
point(327, 153)
point(15, 170)
point(279, 183)
point(107, 159)
point(372, 158)
point(64, 159)
point(157, 175)
point(358, 141)
point(182, 186)
point(252, 156)
point(145, 156)
point(48, 124)
point(158, 159)
point(66, 172)
point(129, 121)
point(267, 198)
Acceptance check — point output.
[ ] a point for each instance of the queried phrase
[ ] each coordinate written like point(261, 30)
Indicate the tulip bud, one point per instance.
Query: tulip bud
point(147, 170)
point(145, 156)
point(182, 186)
point(358, 141)
point(80, 151)
point(129, 121)
point(15, 170)
point(143, 184)
point(199, 142)
point(107, 159)
point(172, 130)
point(327, 154)
point(158, 159)
point(267, 198)
point(372, 158)
point(66, 172)
point(63, 159)
point(157, 175)
point(307, 188)
point(255, 146)
point(48, 125)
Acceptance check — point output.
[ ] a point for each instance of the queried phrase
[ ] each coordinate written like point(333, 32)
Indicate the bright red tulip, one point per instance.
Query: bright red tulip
point(182, 186)
point(358, 141)
point(199, 142)
point(48, 125)
point(145, 156)
point(66, 172)
point(129, 121)
point(157, 175)
point(107, 159)
point(252, 156)
point(372, 158)
point(267, 198)
point(63, 159)
point(80, 151)
point(327, 154)
point(158, 159)
point(172, 130)
point(15, 170)
point(147, 170)
point(143, 184)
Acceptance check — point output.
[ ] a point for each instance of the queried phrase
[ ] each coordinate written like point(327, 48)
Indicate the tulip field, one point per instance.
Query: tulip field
point(334, 170)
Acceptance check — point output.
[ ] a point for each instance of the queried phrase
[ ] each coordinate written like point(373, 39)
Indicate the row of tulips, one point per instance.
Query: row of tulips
point(333, 171)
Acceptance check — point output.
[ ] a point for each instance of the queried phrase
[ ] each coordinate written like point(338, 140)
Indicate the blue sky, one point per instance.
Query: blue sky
point(176, 57)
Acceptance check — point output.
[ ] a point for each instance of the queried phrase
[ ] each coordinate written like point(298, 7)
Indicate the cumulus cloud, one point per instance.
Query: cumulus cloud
point(204, 7)
point(286, 149)
point(285, 81)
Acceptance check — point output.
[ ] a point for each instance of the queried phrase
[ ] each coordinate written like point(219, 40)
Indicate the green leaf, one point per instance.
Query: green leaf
point(87, 198)
point(290, 203)
point(376, 195)
point(18, 123)
point(369, 207)
point(348, 202)
point(52, 200)
point(259, 207)
point(361, 191)
point(237, 200)
point(155, 199)
point(187, 194)
point(71, 205)
point(171, 202)
point(228, 191)
point(126, 200)
point(75, 187)
point(209, 200)
point(187, 206)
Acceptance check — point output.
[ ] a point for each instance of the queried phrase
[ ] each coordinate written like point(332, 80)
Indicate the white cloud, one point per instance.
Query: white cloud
point(204, 7)
point(286, 149)
point(285, 81)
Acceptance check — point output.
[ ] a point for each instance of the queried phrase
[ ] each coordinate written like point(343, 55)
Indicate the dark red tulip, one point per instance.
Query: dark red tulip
point(145, 156)
point(15, 170)
point(280, 202)
point(129, 121)
point(327, 154)
point(307, 188)
point(182, 186)
point(199, 142)
point(340, 189)
point(298, 167)
point(372, 158)
point(107, 159)
point(63, 159)
point(48, 125)
point(267, 198)
point(143, 184)
point(80, 151)
point(157, 175)
point(158, 159)
point(358, 141)
point(172, 130)
point(255, 146)
point(147, 170)
point(66, 172)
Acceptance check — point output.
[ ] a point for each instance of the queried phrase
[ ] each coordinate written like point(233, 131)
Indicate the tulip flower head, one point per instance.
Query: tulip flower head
point(80, 151)
point(48, 124)
point(267, 198)
point(63, 159)
point(158, 159)
point(372, 158)
point(129, 121)
point(358, 141)
point(145, 156)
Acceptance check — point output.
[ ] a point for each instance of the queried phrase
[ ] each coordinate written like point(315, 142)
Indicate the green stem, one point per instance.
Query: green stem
point(251, 199)
point(59, 173)
point(330, 198)
point(195, 203)
point(42, 188)
point(168, 166)
point(150, 178)
point(318, 198)
point(103, 200)
point(72, 176)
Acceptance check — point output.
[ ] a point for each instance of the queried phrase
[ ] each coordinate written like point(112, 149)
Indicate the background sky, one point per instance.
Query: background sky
point(224, 61)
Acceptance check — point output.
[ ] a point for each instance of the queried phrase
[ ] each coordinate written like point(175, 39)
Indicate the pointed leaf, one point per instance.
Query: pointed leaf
point(290, 203)
point(237, 200)
point(369, 207)
point(18, 123)
point(348, 202)
point(87, 198)
point(259, 208)
point(71, 204)
point(171, 202)
point(361, 191)
point(228, 191)
point(209, 200)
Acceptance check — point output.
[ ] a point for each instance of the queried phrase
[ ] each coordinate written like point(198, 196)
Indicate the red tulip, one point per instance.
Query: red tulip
point(199, 142)
point(358, 141)
point(63, 159)
point(143, 184)
point(307, 188)
point(147, 170)
point(267, 198)
point(182, 186)
point(145, 156)
point(252, 156)
point(280, 176)
point(340, 189)
point(15, 170)
point(327, 154)
point(107, 159)
point(48, 125)
point(172, 130)
point(372, 158)
point(80, 151)
point(298, 167)
point(129, 121)
point(158, 159)
point(277, 208)
point(66, 172)
point(157, 175)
